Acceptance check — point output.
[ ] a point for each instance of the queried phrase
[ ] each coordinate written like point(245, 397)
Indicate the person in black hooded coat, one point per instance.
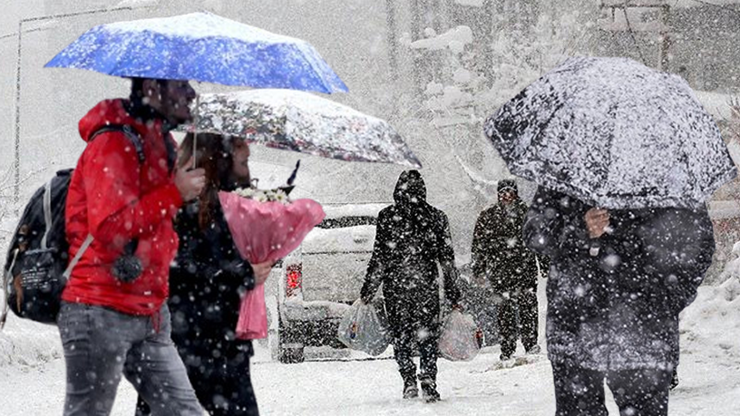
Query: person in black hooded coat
point(207, 281)
point(617, 282)
point(412, 239)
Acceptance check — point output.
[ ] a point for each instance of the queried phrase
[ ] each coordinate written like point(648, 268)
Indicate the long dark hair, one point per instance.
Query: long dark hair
point(214, 154)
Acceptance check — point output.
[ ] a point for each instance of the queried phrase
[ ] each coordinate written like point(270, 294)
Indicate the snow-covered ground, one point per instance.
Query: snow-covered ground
point(32, 375)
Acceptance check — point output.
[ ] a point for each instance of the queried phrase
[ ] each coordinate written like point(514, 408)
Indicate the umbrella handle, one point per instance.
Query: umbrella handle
point(195, 130)
point(295, 171)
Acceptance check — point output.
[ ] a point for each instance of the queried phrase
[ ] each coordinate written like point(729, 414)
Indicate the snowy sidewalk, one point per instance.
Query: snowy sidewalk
point(32, 376)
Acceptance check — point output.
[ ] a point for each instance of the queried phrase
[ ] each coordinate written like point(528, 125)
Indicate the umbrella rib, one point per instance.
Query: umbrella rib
point(547, 122)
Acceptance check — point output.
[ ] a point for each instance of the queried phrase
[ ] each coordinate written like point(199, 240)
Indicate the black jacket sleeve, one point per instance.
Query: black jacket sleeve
point(209, 254)
point(678, 244)
point(234, 269)
point(478, 249)
point(379, 259)
point(447, 261)
point(555, 225)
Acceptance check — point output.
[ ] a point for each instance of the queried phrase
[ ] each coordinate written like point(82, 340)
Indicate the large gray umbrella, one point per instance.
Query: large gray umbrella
point(302, 122)
point(613, 133)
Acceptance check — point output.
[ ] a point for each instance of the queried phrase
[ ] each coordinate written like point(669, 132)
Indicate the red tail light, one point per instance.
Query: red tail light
point(293, 279)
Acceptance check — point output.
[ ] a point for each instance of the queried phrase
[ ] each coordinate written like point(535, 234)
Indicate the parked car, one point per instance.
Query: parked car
point(322, 278)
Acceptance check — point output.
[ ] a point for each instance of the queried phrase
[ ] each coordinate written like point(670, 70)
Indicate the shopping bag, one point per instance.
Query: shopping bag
point(460, 337)
point(363, 329)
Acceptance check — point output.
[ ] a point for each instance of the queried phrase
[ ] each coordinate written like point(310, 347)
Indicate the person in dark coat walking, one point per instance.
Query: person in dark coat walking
point(207, 281)
point(617, 283)
point(500, 256)
point(412, 239)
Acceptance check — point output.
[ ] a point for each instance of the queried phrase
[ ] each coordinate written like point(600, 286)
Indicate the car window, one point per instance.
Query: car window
point(343, 222)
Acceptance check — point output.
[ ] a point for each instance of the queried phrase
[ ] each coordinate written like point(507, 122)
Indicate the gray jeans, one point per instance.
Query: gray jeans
point(101, 344)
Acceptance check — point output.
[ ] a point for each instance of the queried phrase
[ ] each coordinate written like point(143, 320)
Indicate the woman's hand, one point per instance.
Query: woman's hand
point(261, 271)
point(597, 220)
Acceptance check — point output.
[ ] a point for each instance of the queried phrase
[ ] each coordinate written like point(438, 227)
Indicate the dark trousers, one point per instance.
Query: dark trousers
point(525, 301)
point(411, 328)
point(580, 392)
point(223, 385)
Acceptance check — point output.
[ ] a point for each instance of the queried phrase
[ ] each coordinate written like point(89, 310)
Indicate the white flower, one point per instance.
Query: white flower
point(264, 195)
point(245, 192)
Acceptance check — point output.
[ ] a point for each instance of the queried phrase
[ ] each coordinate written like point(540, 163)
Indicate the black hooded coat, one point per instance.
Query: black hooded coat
point(498, 252)
point(412, 239)
point(613, 302)
point(207, 280)
point(206, 283)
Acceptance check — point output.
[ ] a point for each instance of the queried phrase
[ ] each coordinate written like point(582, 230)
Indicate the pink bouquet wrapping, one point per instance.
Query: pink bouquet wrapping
point(265, 226)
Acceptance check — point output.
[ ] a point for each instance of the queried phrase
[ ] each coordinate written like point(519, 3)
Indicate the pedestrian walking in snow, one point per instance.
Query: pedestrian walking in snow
point(207, 281)
point(500, 257)
point(619, 279)
point(113, 318)
point(625, 158)
point(412, 239)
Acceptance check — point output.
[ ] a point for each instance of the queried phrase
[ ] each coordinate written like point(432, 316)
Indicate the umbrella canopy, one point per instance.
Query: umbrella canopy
point(200, 47)
point(302, 122)
point(615, 134)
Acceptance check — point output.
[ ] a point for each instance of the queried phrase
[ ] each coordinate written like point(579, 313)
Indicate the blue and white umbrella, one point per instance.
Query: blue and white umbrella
point(201, 47)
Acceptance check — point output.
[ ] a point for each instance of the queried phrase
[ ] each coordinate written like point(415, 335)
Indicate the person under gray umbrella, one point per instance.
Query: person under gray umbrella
point(625, 158)
point(613, 310)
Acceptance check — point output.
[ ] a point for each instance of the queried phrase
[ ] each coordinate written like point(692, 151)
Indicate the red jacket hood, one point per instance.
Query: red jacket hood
point(105, 113)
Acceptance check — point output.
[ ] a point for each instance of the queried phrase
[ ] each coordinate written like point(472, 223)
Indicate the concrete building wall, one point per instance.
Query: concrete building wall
point(699, 42)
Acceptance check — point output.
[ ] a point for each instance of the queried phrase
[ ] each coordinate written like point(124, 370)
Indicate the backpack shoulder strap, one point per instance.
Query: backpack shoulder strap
point(7, 278)
point(135, 139)
point(129, 132)
point(78, 256)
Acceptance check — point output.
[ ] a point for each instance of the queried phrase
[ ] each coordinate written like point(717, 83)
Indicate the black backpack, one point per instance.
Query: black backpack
point(37, 267)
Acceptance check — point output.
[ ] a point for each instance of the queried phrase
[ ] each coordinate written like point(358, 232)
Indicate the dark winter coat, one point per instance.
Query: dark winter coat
point(206, 283)
point(498, 252)
point(613, 302)
point(412, 238)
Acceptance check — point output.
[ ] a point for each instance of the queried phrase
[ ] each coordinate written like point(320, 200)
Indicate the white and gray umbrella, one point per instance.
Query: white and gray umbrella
point(613, 133)
point(302, 122)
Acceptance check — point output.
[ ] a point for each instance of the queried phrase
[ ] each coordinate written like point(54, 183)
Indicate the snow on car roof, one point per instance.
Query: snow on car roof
point(353, 210)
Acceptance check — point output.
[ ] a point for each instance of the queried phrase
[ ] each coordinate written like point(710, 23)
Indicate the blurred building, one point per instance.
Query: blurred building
point(369, 44)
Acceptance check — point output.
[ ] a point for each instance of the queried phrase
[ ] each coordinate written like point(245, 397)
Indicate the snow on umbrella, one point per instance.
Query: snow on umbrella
point(302, 122)
point(613, 133)
point(200, 47)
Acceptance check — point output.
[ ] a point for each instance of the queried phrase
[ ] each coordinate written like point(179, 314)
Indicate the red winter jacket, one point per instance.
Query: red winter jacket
point(116, 199)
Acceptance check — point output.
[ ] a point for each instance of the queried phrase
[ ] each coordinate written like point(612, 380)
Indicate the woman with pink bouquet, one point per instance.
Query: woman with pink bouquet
point(207, 281)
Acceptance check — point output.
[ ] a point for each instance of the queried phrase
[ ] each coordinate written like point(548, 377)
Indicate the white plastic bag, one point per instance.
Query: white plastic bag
point(361, 329)
point(459, 340)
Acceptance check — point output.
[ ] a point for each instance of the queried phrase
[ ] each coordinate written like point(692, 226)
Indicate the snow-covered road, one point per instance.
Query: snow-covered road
point(32, 376)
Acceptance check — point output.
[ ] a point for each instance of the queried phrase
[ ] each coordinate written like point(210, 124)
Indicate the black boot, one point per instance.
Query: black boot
point(674, 380)
point(410, 391)
point(429, 389)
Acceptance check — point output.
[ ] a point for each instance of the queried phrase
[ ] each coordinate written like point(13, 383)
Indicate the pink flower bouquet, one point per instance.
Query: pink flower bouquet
point(265, 226)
